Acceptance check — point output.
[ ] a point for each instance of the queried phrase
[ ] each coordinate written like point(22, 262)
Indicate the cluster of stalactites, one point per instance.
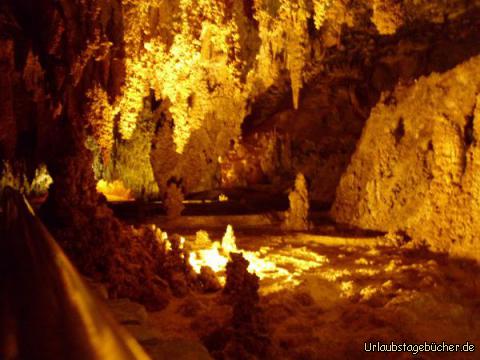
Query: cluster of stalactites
point(283, 30)
point(101, 116)
point(199, 72)
point(195, 73)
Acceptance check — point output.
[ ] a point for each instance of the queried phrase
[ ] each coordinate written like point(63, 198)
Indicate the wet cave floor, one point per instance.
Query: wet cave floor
point(328, 292)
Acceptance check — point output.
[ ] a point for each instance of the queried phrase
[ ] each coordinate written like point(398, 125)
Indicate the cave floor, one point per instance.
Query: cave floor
point(331, 291)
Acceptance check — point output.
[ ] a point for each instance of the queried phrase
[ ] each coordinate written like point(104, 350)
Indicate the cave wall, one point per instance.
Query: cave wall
point(204, 62)
point(363, 60)
point(187, 73)
point(416, 167)
point(312, 69)
point(52, 62)
point(207, 73)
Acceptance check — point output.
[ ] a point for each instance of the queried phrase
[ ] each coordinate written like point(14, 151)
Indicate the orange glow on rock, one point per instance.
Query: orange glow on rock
point(114, 191)
point(268, 263)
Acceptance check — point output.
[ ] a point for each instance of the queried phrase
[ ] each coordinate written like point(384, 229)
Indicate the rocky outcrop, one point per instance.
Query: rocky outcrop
point(416, 166)
point(335, 103)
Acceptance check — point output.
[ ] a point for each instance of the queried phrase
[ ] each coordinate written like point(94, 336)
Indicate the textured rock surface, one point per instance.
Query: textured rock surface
point(416, 167)
point(335, 103)
point(296, 217)
point(152, 84)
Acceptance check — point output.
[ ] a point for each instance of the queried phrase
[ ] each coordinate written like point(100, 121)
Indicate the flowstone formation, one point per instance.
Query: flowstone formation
point(416, 167)
point(296, 217)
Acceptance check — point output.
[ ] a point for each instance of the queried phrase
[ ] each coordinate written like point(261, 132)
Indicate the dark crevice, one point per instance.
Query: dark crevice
point(469, 136)
point(399, 131)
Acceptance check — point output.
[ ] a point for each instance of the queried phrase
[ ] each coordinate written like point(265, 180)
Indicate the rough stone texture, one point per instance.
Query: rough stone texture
point(245, 335)
point(296, 217)
point(335, 103)
point(416, 167)
point(130, 162)
point(54, 61)
point(230, 58)
point(137, 322)
point(173, 201)
point(110, 50)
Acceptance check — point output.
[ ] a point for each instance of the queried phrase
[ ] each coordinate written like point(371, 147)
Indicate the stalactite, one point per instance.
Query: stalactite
point(197, 68)
point(320, 8)
point(283, 31)
point(204, 75)
point(194, 74)
point(101, 115)
point(296, 15)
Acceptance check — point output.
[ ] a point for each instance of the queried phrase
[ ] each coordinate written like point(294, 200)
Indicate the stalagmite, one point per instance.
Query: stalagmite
point(173, 201)
point(296, 217)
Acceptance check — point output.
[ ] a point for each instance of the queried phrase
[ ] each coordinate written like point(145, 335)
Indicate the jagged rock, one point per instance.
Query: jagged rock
point(415, 167)
point(190, 307)
point(388, 16)
point(245, 336)
point(238, 278)
point(178, 284)
point(208, 280)
point(105, 65)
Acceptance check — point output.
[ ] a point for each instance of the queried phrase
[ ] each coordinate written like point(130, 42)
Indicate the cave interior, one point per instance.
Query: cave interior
point(239, 179)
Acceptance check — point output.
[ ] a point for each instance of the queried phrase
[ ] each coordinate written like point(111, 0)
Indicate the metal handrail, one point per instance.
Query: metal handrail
point(46, 309)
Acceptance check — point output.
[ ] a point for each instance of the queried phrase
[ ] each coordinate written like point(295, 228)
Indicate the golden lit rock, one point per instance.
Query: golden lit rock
point(414, 167)
point(388, 16)
point(114, 191)
point(296, 217)
point(121, 120)
point(101, 117)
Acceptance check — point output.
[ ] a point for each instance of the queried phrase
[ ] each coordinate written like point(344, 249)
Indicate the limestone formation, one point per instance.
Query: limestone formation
point(173, 201)
point(416, 165)
point(296, 217)
point(388, 16)
point(145, 91)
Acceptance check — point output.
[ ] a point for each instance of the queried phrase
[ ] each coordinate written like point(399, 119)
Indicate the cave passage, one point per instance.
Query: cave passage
point(242, 179)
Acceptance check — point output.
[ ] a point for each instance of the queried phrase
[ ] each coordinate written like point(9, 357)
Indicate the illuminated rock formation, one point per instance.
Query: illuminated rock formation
point(101, 118)
point(204, 71)
point(173, 201)
point(297, 216)
point(388, 16)
point(145, 91)
point(415, 167)
point(131, 163)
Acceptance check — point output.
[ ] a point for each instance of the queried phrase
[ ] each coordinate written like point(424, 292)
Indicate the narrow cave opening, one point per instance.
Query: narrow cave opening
point(242, 179)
